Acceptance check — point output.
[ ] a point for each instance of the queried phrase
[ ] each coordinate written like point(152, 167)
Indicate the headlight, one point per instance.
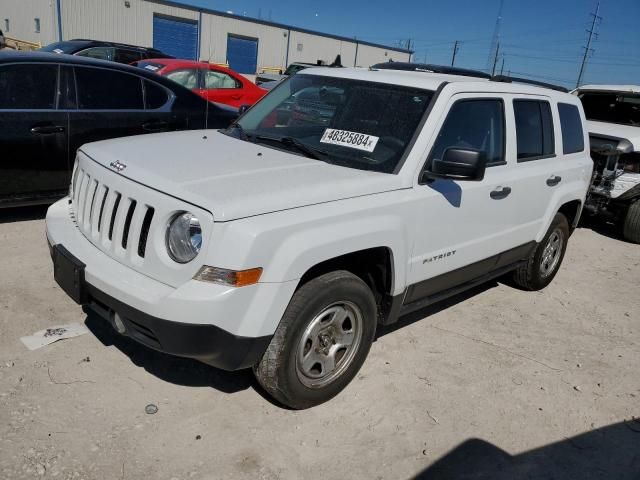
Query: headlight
point(184, 237)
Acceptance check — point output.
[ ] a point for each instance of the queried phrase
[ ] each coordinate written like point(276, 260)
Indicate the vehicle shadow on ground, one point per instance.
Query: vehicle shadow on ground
point(418, 315)
point(21, 214)
point(611, 453)
point(176, 370)
point(603, 228)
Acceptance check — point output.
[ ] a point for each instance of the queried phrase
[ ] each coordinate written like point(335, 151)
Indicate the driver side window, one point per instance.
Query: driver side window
point(474, 124)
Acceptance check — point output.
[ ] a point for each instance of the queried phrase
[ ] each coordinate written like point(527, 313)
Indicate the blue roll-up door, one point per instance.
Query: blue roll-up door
point(242, 54)
point(176, 37)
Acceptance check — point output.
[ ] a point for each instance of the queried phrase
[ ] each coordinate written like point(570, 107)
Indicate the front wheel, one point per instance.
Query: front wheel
point(545, 261)
point(321, 342)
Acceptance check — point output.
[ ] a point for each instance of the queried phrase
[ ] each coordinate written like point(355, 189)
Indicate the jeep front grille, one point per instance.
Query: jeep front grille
point(114, 219)
point(127, 220)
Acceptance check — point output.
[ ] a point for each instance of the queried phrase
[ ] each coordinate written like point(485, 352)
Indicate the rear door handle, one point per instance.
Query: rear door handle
point(554, 180)
point(154, 126)
point(47, 129)
point(237, 96)
point(500, 193)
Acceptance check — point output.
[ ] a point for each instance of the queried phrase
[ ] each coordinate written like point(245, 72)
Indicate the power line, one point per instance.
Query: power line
point(588, 50)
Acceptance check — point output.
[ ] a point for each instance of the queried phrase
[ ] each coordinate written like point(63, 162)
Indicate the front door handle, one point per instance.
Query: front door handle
point(154, 126)
point(236, 96)
point(500, 193)
point(554, 180)
point(47, 129)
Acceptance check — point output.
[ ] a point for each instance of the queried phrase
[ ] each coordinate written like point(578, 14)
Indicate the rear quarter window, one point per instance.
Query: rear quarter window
point(155, 95)
point(571, 125)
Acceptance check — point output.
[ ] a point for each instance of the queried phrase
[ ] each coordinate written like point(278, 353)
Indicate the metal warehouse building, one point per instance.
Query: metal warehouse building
point(246, 44)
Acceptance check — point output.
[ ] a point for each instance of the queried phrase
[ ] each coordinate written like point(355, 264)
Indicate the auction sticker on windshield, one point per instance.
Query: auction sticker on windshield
point(344, 138)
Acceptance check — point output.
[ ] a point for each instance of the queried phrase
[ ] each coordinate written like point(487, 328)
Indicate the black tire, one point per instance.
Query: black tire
point(533, 275)
point(631, 230)
point(279, 370)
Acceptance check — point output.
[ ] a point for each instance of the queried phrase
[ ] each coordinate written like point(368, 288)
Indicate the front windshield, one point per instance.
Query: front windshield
point(352, 123)
point(60, 47)
point(611, 107)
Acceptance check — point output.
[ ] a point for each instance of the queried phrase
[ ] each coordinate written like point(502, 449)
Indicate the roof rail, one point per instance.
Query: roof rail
point(430, 68)
point(506, 79)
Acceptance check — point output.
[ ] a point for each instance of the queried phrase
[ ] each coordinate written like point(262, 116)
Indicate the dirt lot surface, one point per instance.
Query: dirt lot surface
point(496, 384)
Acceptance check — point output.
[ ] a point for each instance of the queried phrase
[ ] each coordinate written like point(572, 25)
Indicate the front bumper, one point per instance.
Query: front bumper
point(207, 343)
point(223, 326)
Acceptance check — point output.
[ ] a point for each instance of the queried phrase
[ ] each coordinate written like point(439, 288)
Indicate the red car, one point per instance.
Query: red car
point(214, 83)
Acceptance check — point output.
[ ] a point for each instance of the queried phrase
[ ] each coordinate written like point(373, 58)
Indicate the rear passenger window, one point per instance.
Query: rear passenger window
point(127, 56)
point(28, 87)
point(155, 95)
point(534, 129)
point(101, 89)
point(475, 124)
point(571, 124)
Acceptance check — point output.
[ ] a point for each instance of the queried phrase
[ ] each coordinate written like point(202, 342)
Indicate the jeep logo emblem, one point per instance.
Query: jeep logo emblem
point(117, 166)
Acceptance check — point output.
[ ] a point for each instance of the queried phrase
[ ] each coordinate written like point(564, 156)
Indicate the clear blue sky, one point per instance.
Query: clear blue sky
point(540, 39)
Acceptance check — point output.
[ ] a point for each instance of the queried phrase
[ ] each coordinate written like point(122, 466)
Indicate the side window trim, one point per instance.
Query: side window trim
point(550, 131)
point(502, 162)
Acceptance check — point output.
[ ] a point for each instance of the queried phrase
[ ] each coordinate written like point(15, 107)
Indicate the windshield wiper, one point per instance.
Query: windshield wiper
point(297, 144)
point(235, 127)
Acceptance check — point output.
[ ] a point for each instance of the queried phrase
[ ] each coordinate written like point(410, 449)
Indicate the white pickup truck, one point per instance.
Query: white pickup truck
point(283, 242)
point(613, 121)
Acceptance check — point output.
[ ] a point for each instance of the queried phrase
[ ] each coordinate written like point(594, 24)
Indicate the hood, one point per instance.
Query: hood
point(232, 178)
point(628, 132)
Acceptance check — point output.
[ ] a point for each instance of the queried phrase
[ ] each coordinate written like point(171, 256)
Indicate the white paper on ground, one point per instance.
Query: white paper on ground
point(53, 334)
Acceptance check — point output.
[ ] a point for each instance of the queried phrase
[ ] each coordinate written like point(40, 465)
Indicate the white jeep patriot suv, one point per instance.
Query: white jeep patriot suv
point(342, 200)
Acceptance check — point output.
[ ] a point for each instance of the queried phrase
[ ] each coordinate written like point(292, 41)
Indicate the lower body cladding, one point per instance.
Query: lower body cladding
point(194, 321)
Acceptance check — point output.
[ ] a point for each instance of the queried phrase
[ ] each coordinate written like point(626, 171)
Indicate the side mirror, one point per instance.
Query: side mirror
point(243, 108)
point(458, 164)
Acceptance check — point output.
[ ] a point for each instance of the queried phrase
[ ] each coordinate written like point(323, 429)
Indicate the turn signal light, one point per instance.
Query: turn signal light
point(235, 278)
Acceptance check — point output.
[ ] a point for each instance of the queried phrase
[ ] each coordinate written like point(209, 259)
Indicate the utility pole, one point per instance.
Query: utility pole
point(588, 50)
point(495, 60)
point(455, 51)
point(495, 39)
point(502, 67)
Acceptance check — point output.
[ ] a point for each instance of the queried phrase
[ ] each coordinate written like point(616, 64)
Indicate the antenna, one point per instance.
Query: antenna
point(206, 113)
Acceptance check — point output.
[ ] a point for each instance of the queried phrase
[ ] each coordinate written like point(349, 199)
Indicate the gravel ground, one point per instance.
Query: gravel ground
point(497, 383)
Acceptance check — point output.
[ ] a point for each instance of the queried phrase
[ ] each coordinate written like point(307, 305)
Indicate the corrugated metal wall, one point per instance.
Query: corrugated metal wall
point(272, 42)
point(21, 15)
point(305, 47)
point(113, 20)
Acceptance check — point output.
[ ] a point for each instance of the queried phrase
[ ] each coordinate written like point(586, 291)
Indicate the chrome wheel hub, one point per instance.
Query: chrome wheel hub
point(551, 253)
point(329, 344)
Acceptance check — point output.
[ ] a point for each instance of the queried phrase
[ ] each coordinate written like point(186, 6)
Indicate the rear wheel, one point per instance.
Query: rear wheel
point(545, 261)
point(321, 342)
point(631, 230)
